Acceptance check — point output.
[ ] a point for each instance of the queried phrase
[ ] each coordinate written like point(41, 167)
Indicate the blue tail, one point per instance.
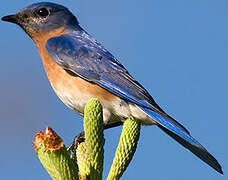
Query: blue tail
point(182, 136)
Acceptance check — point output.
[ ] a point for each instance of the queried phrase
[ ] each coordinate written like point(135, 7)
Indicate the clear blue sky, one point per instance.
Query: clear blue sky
point(177, 49)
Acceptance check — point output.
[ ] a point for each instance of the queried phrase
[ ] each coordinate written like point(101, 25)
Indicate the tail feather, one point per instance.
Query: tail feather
point(184, 138)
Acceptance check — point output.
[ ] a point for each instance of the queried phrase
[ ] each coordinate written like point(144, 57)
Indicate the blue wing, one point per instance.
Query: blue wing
point(83, 56)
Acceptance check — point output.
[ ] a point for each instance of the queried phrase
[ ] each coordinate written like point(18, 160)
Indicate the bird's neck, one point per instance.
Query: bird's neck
point(40, 42)
point(41, 38)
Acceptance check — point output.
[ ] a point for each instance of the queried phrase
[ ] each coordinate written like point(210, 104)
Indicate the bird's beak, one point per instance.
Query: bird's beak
point(10, 18)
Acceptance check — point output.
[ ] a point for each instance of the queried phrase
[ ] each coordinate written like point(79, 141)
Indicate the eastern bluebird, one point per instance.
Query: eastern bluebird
point(79, 68)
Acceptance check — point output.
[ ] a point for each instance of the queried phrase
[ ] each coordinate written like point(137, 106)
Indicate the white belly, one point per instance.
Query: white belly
point(112, 111)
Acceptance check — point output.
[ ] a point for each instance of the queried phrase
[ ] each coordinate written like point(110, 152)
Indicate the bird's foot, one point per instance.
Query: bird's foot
point(81, 137)
point(77, 140)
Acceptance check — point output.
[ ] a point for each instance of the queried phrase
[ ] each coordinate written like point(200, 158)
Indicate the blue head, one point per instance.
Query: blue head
point(43, 17)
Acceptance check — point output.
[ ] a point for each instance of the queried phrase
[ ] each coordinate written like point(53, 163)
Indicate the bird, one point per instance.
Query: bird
point(79, 68)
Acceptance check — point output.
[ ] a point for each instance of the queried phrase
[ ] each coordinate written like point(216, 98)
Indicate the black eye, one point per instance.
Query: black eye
point(43, 12)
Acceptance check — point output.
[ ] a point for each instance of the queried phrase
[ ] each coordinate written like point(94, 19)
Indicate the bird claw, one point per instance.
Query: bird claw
point(77, 140)
point(81, 137)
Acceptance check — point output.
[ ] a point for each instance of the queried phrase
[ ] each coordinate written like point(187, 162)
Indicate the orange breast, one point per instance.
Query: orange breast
point(72, 90)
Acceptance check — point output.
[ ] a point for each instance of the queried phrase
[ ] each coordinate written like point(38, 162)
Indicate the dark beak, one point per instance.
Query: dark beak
point(10, 18)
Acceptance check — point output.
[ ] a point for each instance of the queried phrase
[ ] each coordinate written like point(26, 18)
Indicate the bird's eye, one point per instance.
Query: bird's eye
point(42, 12)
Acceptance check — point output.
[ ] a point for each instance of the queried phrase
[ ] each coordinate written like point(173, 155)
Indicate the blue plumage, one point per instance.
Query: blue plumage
point(184, 139)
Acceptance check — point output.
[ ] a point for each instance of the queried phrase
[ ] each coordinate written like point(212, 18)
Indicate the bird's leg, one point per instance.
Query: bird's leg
point(81, 136)
point(77, 140)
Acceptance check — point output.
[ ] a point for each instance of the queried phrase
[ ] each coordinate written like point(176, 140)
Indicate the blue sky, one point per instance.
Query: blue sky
point(177, 49)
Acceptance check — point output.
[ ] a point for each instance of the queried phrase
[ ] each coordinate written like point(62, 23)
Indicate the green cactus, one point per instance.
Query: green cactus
point(94, 137)
point(126, 148)
point(89, 154)
point(54, 156)
point(83, 161)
